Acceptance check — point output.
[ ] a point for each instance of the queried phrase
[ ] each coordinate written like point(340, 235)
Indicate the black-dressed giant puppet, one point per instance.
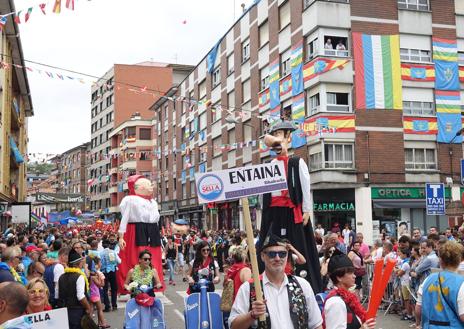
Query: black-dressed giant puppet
point(286, 213)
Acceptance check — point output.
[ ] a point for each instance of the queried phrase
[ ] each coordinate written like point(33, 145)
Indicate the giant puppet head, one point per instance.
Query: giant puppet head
point(140, 185)
point(279, 138)
point(180, 226)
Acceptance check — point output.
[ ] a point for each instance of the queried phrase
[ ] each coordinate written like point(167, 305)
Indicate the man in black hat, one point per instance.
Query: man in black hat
point(286, 212)
point(72, 289)
point(289, 301)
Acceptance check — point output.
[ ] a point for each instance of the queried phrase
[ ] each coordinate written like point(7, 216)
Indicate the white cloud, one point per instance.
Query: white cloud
point(98, 34)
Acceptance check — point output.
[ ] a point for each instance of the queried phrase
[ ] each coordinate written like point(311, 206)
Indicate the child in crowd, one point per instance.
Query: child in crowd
point(402, 272)
point(97, 281)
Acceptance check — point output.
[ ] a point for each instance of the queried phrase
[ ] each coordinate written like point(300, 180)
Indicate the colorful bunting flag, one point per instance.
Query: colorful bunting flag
point(17, 17)
point(70, 4)
point(322, 65)
point(57, 7)
point(417, 72)
point(420, 125)
point(448, 101)
point(298, 117)
point(3, 20)
point(378, 71)
point(28, 14)
point(42, 7)
point(297, 69)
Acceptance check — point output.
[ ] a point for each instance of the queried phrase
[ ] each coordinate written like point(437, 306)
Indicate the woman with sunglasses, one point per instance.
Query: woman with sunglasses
point(35, 270)
point(143, 274)
point(203, 259)
point(38, 296)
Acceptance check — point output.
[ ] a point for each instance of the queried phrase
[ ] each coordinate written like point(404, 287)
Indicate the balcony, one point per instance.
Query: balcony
point(335, 53)
point(131, 164)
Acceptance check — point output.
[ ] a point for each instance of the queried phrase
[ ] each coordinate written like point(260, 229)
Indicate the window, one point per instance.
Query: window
point(311, 48)
point(145, 133)
point(217, 76)
point(109, 100)
point(202, 89)
point(415, 55)
point(203, 121)
point(285, 63)
point(338, 102)
point(246, 91)
point(245, 50)
point(284, 15)
point(193, 191)
point(231, 100)
point(217, 146)
point(230, 64)
point(338, 155)
point(231, 137)
point(130, 132)
point(461, 57)
point(184, 191)
point(315, 161)
point(314, 103)
point(335, 46)
point(422, 5)
point(418, 108)
point(263, 34)
point(420, 159)
point(264, 78)
point(217, 112)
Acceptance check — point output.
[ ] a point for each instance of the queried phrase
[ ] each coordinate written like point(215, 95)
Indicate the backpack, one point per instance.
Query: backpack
point(320, 299)
point(48, 278)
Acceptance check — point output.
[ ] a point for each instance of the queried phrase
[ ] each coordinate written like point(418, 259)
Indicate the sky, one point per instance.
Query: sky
point(98, 34)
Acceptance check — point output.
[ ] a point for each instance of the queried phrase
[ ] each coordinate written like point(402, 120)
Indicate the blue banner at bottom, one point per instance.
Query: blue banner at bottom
point(448, 125)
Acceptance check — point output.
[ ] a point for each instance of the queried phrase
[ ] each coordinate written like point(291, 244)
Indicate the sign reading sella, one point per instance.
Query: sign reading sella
point(240, 182)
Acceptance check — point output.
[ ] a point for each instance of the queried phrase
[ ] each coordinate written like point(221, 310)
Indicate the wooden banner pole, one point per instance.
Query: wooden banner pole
point(252, 252)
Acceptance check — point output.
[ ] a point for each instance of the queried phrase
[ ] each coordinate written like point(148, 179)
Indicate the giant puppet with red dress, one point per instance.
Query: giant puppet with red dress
point(139, 229)
point(286, 213)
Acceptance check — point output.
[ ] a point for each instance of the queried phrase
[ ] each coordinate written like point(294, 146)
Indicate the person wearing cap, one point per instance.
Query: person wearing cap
point(139, 228)
point(32, 255)
point(286, 212)
point(342, 308)
point(288, 300)
point(72, 288)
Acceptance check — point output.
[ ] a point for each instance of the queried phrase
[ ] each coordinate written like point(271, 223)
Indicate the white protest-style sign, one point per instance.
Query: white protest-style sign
point(49, 319)
point(240, 182)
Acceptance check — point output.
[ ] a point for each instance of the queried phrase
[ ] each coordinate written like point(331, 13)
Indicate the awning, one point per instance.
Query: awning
point(14, 149)
point(399, 203)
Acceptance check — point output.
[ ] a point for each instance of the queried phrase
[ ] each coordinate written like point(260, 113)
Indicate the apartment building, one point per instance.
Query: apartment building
point(15, 109)
point(122, 92)
point(368, 162)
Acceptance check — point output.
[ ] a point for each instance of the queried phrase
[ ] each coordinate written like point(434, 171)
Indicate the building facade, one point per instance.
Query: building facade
point(368, 167)
point(15, 109)
point(122, 92)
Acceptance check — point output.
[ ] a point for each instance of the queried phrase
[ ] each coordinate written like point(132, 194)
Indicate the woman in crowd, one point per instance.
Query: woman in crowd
point(203, 259)
point(38, 296)
point(171, 251)
point(342, 308)
point(238, 273)
point(143, 274)
point(294, 258)
point(35, 270)
point(440, 295)
point(359, 268)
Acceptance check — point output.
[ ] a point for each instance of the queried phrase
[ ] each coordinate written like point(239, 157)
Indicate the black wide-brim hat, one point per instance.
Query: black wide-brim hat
point(269, 241)
point(338, 261)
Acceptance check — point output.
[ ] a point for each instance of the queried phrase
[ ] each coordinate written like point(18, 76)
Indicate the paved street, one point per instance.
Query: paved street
point(173, 300)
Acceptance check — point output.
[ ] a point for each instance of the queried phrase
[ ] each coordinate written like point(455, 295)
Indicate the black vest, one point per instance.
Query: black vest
point(68, 291)
point(293, 182)
point(296, 301)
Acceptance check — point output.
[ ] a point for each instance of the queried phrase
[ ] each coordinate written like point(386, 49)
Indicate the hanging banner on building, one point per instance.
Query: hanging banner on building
point(240, 182)
point(297, 69)
point(60, 198)
point(420, 125)
point(417, 72)
point(274, 86)
point(298, 117)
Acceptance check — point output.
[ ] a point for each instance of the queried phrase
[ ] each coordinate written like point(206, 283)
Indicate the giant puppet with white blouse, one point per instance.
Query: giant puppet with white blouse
point(287, 212)
point(139, 229)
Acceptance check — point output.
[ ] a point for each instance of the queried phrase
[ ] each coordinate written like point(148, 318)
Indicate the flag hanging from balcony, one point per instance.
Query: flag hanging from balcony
point(274, 87)
point(211, 58)
point(420, 126)
point(377, 71)
point(297, 69)
point(445, 57)
point(448, 101)
point(329, 124)
point(448, 125)
point(417, 72)
point(285, 85)
point(263, 99)
point(322, 65)
point(298, 117)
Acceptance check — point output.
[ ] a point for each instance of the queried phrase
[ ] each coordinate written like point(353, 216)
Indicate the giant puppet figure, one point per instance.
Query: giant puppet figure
point(286, 212)
point(139, 228)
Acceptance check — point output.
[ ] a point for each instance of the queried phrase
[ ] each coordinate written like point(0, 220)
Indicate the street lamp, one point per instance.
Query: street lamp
point(450, 149)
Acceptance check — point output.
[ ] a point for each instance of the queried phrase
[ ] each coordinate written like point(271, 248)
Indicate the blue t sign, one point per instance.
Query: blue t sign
point(435, 198)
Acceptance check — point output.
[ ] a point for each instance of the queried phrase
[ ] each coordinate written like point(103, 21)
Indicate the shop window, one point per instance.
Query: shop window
point(335, 46)
point(338, 102)
point(420, 159)
point(421, 5)
point(418, 108)
point(338, 156)
point(415, 55)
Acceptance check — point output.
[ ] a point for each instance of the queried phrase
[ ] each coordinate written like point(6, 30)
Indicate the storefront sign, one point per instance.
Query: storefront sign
point(401, 193)
point(60, 198)
point(240, 182)
point(334, 206)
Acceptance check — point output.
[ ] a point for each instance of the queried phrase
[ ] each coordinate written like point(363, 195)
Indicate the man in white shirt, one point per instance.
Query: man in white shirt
point(278, 288)
point(58, 270)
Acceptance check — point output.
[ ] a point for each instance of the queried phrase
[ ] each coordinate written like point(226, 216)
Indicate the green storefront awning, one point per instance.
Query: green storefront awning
point(394, 193)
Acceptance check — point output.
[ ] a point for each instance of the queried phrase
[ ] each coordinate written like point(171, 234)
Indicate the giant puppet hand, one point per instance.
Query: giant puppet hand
point(305, 218)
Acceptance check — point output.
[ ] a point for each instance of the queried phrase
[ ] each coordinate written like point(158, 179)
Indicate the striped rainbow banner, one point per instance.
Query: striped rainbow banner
point(274, 71)
point(298, 107)
point(461, 73)
point(378, 71)
point(321, 65)
point(329, 124)
point(417, 72)
point(445, 50)
point(448, 101)
point(420, 125)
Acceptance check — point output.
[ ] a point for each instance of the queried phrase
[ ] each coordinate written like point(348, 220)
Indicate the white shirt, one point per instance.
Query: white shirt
point(305, 186)
point(460, 301)
point(346, 236)
point(321, 231)
point(335, 313)
point(277, 303)
point(135, 209)
point(404, 279)
point(58, 270)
